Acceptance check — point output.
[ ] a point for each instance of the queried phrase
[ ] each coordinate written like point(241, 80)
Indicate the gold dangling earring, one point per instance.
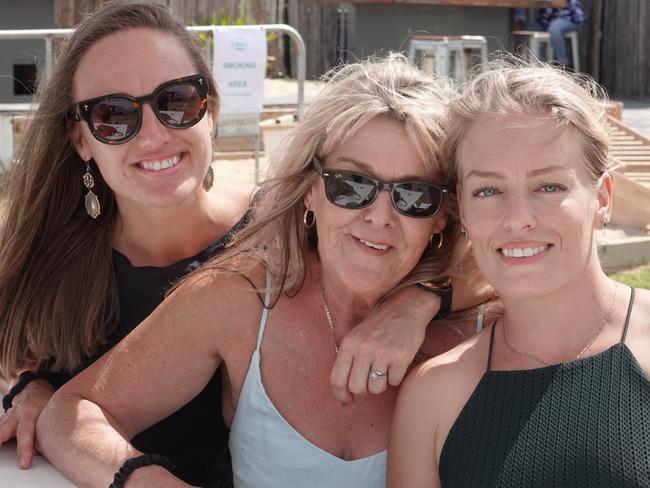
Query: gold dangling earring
point(208, 180)
point(464, 232)
point(306, 220)
point(92, 202)
point(437, 248)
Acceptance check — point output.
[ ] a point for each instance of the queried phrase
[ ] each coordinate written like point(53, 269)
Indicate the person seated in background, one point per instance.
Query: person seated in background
point(555, 392)
point(558, 22)
point(519, 18)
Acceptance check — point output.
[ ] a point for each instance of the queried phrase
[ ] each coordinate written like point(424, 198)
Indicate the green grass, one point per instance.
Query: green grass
point(637, 277)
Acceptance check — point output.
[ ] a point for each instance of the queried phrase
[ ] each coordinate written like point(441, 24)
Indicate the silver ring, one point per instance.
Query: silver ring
point(376, 375)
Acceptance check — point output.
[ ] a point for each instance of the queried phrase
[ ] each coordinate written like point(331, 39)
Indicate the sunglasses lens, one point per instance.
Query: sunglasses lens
point(417, 199)
point(350, 190)
point(180, 105)
point(114, 119)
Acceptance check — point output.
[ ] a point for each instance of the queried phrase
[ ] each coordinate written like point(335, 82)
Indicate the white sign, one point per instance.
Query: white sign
point(239, 67)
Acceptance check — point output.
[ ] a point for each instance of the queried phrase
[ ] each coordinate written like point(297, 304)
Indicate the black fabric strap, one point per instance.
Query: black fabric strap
point(627, 317)
point(131, 464)
point(23, 380)
point(489, 361)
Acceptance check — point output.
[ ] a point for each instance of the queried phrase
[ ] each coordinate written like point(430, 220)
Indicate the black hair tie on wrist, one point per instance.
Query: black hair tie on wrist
point(131, 464)
point(23, 380)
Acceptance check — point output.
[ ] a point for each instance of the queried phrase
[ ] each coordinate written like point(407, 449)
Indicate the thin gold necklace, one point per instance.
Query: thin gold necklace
point(328, 316)
point(584, 350)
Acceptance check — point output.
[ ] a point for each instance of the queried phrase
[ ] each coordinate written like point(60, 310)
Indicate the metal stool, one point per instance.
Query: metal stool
point(446, 55)
point(536, 39)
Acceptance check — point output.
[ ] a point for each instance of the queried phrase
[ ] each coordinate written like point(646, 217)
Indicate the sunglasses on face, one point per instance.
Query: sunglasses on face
point(348, 189)
point(117, 118)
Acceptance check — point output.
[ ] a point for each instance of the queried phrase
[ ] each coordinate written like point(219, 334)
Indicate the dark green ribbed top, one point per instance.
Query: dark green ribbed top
point(580, 423)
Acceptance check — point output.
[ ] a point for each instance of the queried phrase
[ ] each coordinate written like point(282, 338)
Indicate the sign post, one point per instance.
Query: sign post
point(239, 66)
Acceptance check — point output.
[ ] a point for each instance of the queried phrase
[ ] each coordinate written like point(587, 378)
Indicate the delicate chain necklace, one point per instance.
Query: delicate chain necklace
point(584, 350)
point(328, 316)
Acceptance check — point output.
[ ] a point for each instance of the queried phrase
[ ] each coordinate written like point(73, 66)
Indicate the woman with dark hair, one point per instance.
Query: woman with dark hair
point(109, 202)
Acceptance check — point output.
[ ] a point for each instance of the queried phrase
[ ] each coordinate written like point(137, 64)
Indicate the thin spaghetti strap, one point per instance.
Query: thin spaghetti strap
point(489, 361)
point(265, 310)
point(629, 313)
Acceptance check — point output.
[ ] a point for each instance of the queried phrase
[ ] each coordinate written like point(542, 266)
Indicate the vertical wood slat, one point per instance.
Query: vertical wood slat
point(317, 23)
point(626, 47)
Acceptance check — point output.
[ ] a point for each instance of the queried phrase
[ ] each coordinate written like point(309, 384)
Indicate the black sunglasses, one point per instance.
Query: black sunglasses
point(116, 118)
point(348, 189)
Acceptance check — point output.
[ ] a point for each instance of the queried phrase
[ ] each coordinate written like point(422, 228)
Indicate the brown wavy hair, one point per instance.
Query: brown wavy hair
point(58, 294)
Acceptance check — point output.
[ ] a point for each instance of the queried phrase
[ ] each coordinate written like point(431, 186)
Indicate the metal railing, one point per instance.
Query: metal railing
point(49, 35)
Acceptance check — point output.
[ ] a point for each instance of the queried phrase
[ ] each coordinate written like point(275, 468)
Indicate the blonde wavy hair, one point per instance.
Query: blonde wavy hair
point(353, 95)
point(511, 85)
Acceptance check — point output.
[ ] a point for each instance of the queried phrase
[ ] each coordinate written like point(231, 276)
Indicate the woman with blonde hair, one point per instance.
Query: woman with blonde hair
point(109, 202)
point(357, 207)
point(556, 392)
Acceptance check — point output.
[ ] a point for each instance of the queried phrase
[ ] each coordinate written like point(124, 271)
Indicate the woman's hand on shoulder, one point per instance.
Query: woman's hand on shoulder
point(20, 419)
point(386, 342)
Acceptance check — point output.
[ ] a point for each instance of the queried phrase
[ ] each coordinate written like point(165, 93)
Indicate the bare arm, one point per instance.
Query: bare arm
point(85, 429)
point(412, 449)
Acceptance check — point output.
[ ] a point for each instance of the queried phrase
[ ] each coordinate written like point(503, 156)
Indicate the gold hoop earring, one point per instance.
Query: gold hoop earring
point(93, 208)
point(208, 180)
point(440, 241)
point(309, 222)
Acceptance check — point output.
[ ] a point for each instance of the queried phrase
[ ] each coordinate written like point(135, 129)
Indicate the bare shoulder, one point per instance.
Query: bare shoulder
point(459, 364)
point(638, 335)
point(214, 303)
point(640, 314)
point(440, 387)
point(642, 303)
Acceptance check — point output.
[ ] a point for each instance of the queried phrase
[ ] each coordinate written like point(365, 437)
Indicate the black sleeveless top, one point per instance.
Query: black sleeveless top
point(581, 423)
point(194, 438)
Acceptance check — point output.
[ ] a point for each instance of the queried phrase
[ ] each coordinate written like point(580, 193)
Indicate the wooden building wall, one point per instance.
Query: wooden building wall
point(625, 60)
point(317, 23)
